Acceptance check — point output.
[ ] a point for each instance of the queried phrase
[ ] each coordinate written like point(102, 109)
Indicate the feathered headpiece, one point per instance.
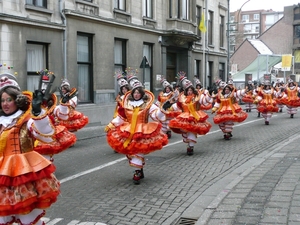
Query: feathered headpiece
point(132, 78)
point(185, 83)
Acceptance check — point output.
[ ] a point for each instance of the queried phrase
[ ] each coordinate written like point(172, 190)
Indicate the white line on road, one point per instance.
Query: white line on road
point(119, 160)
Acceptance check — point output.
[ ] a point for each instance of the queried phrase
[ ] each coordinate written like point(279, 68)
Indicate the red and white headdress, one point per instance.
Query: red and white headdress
point(121, 78)
point(8, 80)
point(132, 78)
point(185, 83)
point(164, 82)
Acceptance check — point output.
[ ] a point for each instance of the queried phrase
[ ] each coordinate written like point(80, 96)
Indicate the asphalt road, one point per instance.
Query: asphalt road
point(97, 187)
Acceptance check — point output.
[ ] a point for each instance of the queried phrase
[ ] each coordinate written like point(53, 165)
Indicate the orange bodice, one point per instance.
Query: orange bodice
point(16, 139)
point(292, 94)
point(189, 103)
point(162, 99)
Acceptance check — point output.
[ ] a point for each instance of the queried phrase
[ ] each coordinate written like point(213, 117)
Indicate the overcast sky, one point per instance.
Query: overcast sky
point(276, 5)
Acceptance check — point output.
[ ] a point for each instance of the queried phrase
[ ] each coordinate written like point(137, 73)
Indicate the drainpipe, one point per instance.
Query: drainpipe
point(64, 21)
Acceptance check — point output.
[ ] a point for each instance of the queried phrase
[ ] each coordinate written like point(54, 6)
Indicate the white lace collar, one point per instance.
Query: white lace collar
point(167, 94)
point(7, 120)
point(136, 103)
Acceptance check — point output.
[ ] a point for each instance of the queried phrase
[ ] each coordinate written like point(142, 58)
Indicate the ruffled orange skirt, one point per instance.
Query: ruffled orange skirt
point(226, 113)
point(75, 122)
point(291, 102)
point(63, 140)
point(247, 99)
point(27, 186)
point(147, 138)
point(264, 106)
point(186, 122)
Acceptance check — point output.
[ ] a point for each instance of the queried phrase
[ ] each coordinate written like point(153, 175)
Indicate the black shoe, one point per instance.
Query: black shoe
point(190, 150)
point(249, 110)
point(292, 115)
point(226, 137)
point(267, 123)
point(230, 134)
point(169, 134)
point(137, 176)
point(258, 115)
point(280, 110)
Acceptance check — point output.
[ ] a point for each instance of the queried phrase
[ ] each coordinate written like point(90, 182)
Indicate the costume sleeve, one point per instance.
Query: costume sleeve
point(73, 102)
point(62, 111)
point(156, 114)
point(41, 127)
point(117, 121)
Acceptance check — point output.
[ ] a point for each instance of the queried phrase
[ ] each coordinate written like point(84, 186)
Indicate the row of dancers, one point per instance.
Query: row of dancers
point(183, 110)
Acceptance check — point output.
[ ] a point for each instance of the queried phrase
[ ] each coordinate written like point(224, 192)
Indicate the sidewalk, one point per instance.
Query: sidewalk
point(265, 190)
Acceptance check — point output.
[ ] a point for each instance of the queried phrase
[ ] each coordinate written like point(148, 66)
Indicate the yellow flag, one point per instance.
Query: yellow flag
point(202, 26)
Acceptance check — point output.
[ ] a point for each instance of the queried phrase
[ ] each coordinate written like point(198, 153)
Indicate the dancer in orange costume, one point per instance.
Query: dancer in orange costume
point(65, 112)
point(191, 121)
point(124, 88)
point(202, 91)
point(265, 99)
point(63, 138)
point(228, 111)
point(290, 97)
point(131, 133)
point(27, 183)
point(166, 95)
point(248, 98)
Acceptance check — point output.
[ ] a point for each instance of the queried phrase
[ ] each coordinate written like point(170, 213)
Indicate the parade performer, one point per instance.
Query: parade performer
point(63, 138)
point(124, 88)
point(279, 85)
point(290, 97)
point(265, 99)
point(166, 95)
point(228, 110)
point(28, 185)
point(191, 121)
point(202, 91)
point(65, 112)
point(131, 133)
point(248, 98)
point(256, 91)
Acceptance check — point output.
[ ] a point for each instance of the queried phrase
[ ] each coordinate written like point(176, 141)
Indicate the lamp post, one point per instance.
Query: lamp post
point(228, 41)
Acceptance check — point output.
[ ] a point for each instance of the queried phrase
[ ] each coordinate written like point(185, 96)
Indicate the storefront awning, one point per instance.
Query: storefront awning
point(260, 66)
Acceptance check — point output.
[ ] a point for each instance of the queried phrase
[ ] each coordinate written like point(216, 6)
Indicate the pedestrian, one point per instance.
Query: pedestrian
point(228, 110)
point(167, 94)
point(65, 113)
point(63, 137)
point(191, 121)
point(27, 182)
point(130, 132)
point(265, 99)
point(290, 97)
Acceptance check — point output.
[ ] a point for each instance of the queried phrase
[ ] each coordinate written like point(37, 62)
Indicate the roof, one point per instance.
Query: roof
point(260, 47)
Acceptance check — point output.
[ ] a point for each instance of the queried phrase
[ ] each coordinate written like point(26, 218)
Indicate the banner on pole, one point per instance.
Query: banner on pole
point(286, 62)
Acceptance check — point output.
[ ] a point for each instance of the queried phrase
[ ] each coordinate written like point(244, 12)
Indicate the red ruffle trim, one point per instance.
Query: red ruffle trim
point(64, 139)
point(267, 108)
point(181, 125)
point(290, 103)
point(140, 143)
point(76, 122)
point(247, 99)
point(205, 107)
point(27, 206)
point(238, 117)
point(22, 179)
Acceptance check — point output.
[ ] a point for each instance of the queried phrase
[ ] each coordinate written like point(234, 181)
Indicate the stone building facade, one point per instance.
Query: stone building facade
point(86, 41)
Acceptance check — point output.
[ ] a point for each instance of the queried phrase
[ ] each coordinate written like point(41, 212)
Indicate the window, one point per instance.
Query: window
point(222, 29)
point(231, 18)
point(197, 67)
point(256, 16)
point(37, 59)
point(297, 31)
point(38, 3)
point(198, 19)
point(119, 58)
point(210, 27)
point(183, 9)
point(147, 8)
point(120, 4)
point(85, 65)
point(147, 51)
point(222, 70)
point(245, 18)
